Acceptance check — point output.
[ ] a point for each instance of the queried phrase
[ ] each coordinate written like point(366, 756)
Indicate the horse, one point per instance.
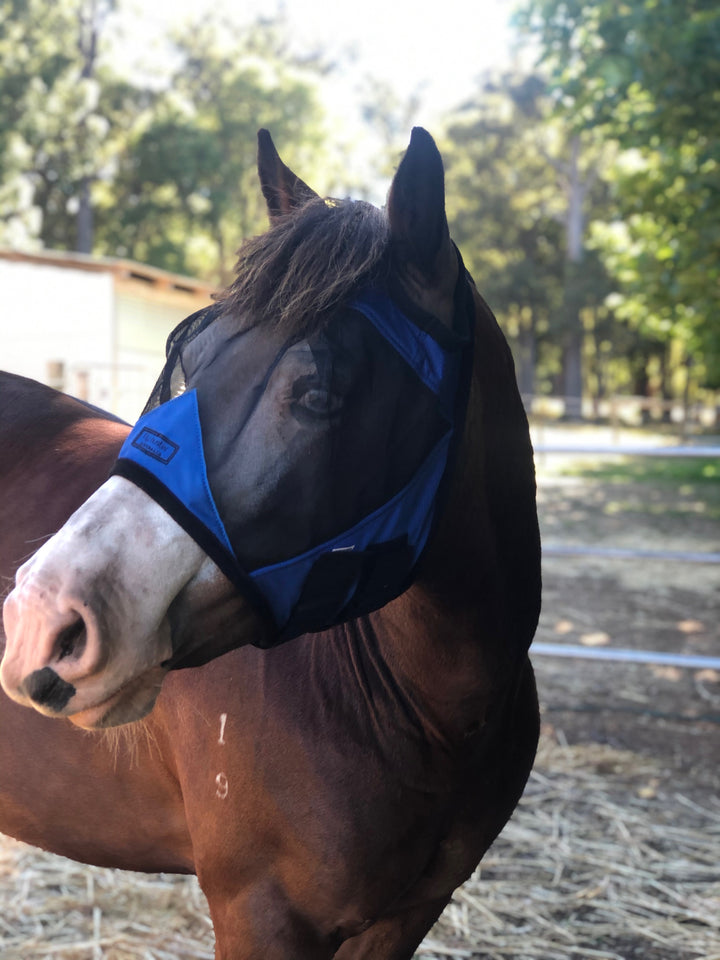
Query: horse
point(332, 778)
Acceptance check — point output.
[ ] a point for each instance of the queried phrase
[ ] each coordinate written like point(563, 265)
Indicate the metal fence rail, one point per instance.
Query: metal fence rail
point(610, 450)
point(620, 655)
point(621, 553)
point(616, 654)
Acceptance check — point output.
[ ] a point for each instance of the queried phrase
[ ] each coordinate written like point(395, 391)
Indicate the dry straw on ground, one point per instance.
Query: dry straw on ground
point(602, 860)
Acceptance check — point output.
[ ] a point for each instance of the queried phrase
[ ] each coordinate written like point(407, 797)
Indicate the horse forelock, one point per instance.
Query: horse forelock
point(310, 262)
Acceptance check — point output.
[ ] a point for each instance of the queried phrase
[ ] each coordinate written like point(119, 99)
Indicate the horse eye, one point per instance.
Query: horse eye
point(316, 402)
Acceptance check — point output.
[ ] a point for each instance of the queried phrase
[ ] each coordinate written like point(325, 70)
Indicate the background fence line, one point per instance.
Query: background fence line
point(627, 655)
point(622, 553)
point(621, 411)
point(622, 450)
point(617, 654)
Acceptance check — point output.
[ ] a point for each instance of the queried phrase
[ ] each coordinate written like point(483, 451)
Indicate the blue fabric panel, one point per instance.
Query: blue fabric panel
point(410, 511)
point(167, 442)
point(437, 368)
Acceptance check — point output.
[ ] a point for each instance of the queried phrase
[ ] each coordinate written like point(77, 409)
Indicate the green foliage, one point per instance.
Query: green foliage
point(646, 73)
point(506, 158)
point(191, 166)
point(42, 96)
point(53, 133)
point(624, 119)
point(171, 170)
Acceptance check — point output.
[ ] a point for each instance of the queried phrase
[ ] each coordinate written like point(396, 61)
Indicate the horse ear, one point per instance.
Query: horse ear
point(416, 210)
point(283, 191)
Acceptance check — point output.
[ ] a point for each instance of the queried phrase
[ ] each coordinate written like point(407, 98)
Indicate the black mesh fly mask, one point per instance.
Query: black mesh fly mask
point(310, 469)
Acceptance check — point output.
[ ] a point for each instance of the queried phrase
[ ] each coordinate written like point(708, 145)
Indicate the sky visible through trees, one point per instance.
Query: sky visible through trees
point(582, 176)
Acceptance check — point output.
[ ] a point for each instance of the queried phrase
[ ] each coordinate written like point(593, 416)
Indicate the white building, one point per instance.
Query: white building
point(93, 327)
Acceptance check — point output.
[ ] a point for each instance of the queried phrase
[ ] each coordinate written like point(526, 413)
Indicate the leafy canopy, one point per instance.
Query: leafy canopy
point(646, 73)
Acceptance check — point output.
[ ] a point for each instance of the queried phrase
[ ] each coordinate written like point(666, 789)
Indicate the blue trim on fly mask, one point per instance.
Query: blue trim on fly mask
point(432, 364)
point(163, 455)
point(167, 442)
point(404, 521)
point(362, 568)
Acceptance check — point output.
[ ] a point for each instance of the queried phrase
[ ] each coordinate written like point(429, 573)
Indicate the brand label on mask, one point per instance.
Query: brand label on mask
point(155, 445)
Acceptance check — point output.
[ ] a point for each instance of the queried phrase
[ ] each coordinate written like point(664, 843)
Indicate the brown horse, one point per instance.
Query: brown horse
point(330, 792)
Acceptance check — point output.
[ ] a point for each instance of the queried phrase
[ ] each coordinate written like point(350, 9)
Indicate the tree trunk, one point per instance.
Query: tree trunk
point(640, 378)
point(527, 359)
point(573, 341)
point(85, 218)
point(89, 21)
point(572, 375)
point(666, 390)
point(599, 367)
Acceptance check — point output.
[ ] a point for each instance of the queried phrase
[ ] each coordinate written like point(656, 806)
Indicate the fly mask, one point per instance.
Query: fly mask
point(373, 406)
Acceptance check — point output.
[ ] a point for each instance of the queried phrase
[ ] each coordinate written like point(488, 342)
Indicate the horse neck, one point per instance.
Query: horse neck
point(56, 452)
point(456, 638)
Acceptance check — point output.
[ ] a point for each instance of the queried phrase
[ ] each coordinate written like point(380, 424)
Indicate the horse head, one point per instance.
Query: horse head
point(290, 466)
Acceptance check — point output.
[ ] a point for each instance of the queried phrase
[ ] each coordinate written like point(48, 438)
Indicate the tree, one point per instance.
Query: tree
point(93, 161)
point(646, 73)
point(91, 15)
point(517, 192)
point(185, 194)
point(52, 134)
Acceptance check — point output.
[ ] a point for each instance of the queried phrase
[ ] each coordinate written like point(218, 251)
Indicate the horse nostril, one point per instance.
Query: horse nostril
point(71, 640)
point(47, 689)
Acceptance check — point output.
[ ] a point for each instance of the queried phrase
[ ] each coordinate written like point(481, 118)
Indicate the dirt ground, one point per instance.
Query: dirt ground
point(614, 852)
point(642, 604)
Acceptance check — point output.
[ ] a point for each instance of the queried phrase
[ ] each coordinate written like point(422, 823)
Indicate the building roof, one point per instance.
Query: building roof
point(122, 270)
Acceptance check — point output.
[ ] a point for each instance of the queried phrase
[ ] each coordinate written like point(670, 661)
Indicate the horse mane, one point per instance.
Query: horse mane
point(294, 276)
